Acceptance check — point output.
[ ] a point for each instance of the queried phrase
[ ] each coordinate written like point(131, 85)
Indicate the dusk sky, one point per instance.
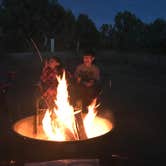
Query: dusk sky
point(104, 11)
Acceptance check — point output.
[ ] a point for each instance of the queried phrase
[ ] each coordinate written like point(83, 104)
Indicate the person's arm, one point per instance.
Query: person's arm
point(77, 74)
point(44, 72)
point(97, 74)
point(43, 76)
point(96, 77)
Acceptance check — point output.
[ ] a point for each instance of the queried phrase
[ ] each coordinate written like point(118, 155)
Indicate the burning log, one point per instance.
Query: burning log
point(79, 121)
point(68, 134)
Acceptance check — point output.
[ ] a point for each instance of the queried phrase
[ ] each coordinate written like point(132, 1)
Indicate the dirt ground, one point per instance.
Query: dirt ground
point(135, 100)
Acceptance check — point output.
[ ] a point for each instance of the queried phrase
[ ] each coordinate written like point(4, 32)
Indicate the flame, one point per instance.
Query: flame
point(59, 124)
point(90, 118)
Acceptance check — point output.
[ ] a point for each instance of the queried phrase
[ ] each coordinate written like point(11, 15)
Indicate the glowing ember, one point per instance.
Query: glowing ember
point(60, 124)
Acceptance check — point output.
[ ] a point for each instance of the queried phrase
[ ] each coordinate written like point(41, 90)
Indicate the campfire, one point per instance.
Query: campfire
point(64, 122)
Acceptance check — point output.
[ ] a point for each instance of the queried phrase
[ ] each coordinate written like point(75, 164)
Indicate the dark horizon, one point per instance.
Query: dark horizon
point(104, 11)
point(100, 12)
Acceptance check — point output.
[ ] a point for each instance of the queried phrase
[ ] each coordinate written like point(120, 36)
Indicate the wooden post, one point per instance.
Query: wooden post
point(36, 117)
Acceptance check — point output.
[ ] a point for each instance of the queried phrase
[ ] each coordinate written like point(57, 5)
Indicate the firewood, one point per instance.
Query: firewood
point(79, 121)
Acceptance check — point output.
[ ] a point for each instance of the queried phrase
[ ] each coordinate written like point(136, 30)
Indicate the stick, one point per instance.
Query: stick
point(38, 52)
point(36, 118)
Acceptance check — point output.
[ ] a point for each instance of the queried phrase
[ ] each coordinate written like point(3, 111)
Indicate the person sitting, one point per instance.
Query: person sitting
point(87, 76)
point(48, 80)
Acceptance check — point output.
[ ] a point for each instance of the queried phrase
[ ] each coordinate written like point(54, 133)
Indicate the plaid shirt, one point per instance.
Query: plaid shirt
point(49, 78)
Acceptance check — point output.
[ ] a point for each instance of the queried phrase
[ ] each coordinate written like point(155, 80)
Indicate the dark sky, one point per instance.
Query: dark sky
point(104, 11)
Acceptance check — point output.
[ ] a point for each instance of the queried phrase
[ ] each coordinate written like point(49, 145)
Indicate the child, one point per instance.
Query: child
point(87, 77)
point(52, 68)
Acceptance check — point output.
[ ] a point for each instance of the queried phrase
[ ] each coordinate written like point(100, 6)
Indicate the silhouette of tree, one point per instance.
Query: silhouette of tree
point(68, 33)
point(106, 35)
point(87, 34)
point(38, 19)
point(45, 19)
point(127, 30)
point(156, 35)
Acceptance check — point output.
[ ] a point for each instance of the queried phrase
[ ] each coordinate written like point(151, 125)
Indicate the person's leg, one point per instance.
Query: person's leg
point(79, 92)
point(75, 93)
point(87, 97)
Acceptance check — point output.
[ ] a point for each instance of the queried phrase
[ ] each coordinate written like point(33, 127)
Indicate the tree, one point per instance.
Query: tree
point(69, 27)
point(86, 32)
point(127, 30)
point(23, 20)
point(156, 35)
point(106, 34)
point(37, 19)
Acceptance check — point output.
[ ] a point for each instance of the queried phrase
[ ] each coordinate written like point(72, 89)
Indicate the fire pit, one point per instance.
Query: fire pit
point(35, 147)
point(62, 132)
point(25, 128)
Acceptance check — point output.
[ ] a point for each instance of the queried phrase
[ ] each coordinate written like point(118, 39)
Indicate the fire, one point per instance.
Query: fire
point(60, 124)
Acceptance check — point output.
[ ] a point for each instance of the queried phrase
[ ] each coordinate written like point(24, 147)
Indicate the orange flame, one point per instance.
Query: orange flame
point(59, 124)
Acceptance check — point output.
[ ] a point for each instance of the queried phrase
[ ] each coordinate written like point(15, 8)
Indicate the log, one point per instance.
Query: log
point(79, 121)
